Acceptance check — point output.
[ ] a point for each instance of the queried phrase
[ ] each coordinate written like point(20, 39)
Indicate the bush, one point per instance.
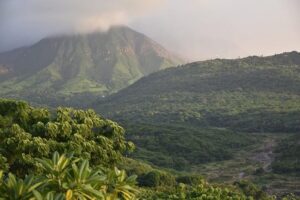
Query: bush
point(155, 179)
point(190, 180)
point(151, 179)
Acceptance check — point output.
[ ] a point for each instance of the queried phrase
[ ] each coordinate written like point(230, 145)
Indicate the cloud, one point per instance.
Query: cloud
point(26, 20)
point(196, 29)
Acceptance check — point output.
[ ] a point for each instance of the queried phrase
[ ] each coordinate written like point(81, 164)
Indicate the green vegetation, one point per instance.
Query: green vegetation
point(223, 119)
point(287, 159)
point(27, 133)
point(254, 164)
point(78, 69)
point(64, 177)
point(29, 136)
point(179, 147)
point(194, 114)
point(206, 191)
point(254, 94)
point(72, 154)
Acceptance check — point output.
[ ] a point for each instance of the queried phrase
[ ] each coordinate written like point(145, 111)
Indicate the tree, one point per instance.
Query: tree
point(27, 133)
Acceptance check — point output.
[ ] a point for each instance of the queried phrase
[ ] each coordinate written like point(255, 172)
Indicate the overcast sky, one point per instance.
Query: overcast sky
point(195, 29)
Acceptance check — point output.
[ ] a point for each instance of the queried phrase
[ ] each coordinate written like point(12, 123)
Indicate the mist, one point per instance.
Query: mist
point(195, 29)
point(25, 22)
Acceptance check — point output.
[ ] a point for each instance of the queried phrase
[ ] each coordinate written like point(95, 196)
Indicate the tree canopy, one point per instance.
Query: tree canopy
point(27, 133)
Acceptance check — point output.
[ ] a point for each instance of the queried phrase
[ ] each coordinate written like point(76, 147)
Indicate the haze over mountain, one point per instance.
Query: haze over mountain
point(185, 115)
point(197, 29)
point(75, 67)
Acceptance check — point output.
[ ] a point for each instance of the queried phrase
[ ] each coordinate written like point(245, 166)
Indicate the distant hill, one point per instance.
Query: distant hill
point(78, 69)
point(175, 111)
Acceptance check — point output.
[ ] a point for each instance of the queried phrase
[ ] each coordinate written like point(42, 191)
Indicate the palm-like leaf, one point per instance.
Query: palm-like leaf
point(19, 189)
point(76, 181)
point(66, 178)
point(1, 176)
point(120, 186)
point(57, 165)
point(83, 181)
point(48, 196)
point(56, 168)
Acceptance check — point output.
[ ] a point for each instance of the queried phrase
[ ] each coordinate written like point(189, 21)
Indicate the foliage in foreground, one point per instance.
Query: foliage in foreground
point(64, 177)
point(67, 177)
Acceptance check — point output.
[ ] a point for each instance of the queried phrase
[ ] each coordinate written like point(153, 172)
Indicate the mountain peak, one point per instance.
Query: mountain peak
point(92, 64)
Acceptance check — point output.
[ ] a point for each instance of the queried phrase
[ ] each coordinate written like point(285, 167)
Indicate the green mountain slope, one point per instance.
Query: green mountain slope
point(80, 67)
point(254, 94)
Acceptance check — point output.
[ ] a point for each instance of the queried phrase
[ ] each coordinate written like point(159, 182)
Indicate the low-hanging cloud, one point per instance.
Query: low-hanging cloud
point(23, 21)
point(196, 29)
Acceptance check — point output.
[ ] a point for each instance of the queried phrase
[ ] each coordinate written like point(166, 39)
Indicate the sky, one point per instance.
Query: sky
point(194, 29)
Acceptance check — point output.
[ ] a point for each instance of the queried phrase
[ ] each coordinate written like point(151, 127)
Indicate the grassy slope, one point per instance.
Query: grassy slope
point(65, 68)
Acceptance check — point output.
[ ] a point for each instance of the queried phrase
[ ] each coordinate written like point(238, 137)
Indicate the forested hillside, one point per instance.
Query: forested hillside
point(77, 69)
point(72, 154)
point(208, 101)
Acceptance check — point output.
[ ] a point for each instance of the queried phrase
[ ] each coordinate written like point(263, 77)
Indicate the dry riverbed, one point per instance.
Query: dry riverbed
point(254, 164)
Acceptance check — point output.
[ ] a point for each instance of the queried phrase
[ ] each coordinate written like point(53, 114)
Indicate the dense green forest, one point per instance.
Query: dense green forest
point(78, 69)
point(74, 154)
point(249, 94)
point(180, 146)
point(192, 111)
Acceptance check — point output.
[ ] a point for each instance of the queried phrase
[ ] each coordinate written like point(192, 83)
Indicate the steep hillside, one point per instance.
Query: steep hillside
point(254, 94)
point(70, 69)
